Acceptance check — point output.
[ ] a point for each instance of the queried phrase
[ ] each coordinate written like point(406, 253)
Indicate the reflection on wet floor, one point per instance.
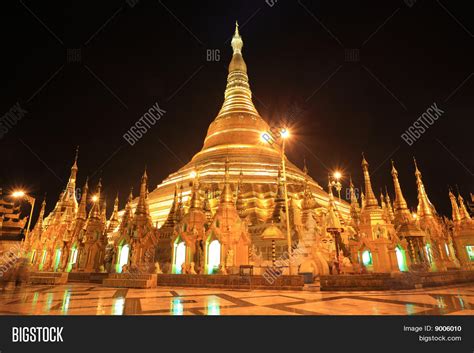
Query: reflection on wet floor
point(81, 299)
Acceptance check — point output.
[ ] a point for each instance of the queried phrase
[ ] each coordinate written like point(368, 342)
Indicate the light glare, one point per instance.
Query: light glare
point(18, 193)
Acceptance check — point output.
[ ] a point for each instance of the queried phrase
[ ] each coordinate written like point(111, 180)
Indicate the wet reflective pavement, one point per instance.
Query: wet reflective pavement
point(90, 299)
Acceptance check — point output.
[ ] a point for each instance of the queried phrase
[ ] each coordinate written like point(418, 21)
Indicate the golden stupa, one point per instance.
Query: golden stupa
point(236, 135)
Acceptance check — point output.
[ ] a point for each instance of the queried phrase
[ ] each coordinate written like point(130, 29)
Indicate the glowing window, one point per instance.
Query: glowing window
point(367, 258)
point(470, 252)
point(180, 256)
point(214, 256)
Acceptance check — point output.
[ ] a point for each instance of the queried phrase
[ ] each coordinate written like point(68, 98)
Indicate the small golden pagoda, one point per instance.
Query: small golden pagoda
point(463, 232)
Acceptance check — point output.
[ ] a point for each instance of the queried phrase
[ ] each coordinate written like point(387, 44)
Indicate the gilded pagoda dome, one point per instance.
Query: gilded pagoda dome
point(235, 135)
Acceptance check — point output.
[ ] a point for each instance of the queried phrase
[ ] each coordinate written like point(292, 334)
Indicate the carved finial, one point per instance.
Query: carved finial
point(237, 42)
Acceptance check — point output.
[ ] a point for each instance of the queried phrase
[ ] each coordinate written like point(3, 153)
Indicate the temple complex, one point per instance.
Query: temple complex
point(240, 203)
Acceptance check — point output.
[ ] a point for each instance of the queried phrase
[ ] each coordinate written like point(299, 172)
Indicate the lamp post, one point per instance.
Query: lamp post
point(19, 194)
point(284, 135)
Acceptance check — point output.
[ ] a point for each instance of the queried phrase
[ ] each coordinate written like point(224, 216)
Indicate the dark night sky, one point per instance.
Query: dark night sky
point(155, 51)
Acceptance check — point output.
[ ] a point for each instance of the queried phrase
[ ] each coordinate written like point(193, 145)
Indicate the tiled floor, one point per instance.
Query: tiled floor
point(89, 299)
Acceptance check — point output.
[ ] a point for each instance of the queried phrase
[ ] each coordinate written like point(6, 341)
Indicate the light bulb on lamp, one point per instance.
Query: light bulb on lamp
point(18, 193)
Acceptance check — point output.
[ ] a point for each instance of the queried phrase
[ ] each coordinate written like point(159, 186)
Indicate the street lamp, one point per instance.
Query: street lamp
point(335, 182)
point(20, 194)
point(285, 134)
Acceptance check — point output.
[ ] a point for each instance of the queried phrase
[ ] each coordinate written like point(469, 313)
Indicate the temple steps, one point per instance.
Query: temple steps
point(48, 278)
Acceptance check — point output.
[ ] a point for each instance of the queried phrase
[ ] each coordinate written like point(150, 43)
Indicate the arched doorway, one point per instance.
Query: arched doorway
point(72, 259)
point(401, 259)
point(43, 259)
point(213, 257)
point(367, 260)
point(57, 260)
point(124, 251)
point(179, 256)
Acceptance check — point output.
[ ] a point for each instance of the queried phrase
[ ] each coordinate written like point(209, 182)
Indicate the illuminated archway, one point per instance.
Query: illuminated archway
point(57, 260)
point(72, 259)
point(123, 257)
point(367, 258)
point(43, 258)
point(213, 257)
point(179, 256)
point(401, 259)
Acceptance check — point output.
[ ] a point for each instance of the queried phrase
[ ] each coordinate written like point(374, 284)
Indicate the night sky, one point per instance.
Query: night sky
point(302, 63)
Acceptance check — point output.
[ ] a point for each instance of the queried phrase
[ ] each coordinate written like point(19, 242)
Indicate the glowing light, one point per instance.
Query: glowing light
point(285, 133)
point(18, 193)
point(337, 175)
point(94, 198)
point(402, 265)
point(180, 256)
point(193, 174)
point(123, 259)
point(367, 258)
point(414, 215)
point(214, 256)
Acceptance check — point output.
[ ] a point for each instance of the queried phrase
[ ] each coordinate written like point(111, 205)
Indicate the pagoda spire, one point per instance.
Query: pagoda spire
point(425, 207)
point(141, 205)
point(70, 192)
point(463, 210)
point(127, 214)
point(195, 196)
point(389, 205)
point(82, 211)
point(384, 206)
point(401, 211)
point(114, 218)
point(95, 212)
point(454, 205)
point(39, 223)
point(238, 97)
point(171, 218)
point(226, 195)
point(370, 200)
point(103, 213)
